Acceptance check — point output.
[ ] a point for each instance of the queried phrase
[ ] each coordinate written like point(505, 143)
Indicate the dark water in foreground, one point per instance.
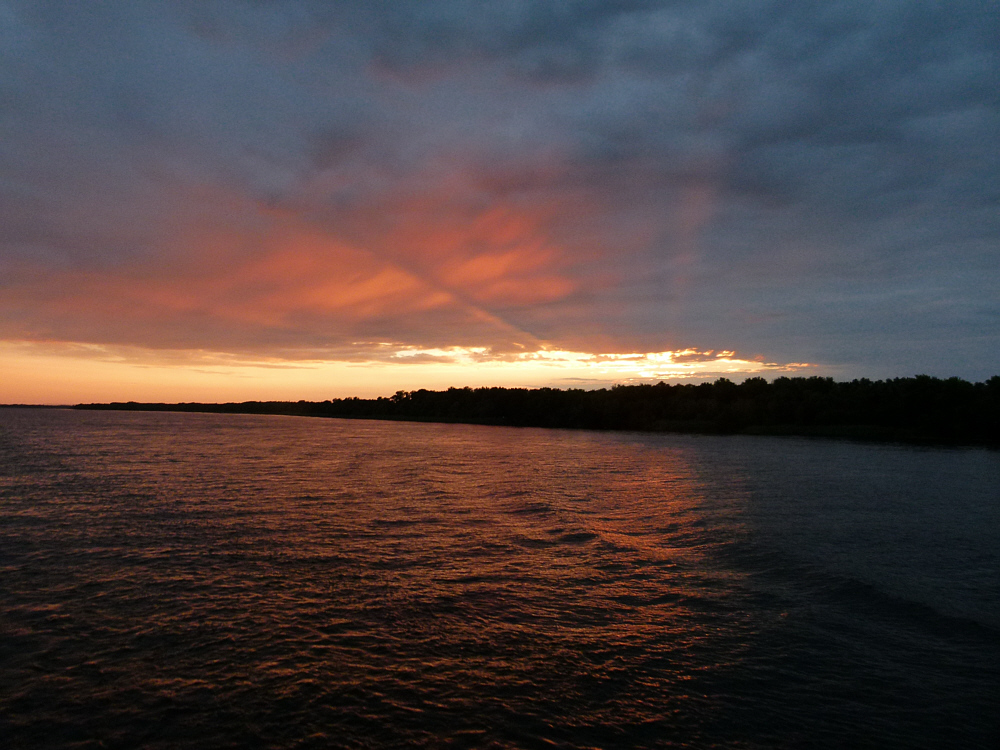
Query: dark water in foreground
point(214, 581)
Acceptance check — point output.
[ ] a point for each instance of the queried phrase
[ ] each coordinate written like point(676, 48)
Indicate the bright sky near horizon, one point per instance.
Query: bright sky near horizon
point(242, 200)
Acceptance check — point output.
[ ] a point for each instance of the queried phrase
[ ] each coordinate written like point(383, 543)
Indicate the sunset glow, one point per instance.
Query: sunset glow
point(65, 374)
point(501, 374)
point(233, 201)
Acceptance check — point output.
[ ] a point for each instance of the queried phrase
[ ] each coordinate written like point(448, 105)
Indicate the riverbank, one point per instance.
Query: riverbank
point(911, 410)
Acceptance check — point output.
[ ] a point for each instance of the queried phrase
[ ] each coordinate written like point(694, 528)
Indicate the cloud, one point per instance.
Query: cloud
point(816, 181)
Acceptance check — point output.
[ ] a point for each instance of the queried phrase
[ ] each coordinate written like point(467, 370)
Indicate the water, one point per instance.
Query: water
point(228, 581)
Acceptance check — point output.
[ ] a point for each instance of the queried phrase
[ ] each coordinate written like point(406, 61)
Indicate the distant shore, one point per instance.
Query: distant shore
point(921, 409)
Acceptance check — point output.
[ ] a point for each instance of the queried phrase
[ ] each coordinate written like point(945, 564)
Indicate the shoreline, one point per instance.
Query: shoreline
point(914, 411)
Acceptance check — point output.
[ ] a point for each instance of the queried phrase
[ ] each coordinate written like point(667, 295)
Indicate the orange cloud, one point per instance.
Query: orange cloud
point(287, 277)
point(500, 255)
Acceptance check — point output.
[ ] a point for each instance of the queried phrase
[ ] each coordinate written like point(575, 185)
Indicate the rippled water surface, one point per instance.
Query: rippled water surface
point(212, 581)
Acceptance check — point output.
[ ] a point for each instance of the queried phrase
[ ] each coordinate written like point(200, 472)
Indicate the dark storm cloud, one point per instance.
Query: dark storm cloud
point(812, 180)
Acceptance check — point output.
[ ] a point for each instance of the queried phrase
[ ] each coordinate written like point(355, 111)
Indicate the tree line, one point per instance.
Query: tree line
point(917, 409)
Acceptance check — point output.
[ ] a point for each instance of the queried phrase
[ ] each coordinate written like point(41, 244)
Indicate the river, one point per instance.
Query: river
point(204, 580)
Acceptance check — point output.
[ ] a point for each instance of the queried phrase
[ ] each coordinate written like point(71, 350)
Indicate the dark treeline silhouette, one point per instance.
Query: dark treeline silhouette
point(918, 409)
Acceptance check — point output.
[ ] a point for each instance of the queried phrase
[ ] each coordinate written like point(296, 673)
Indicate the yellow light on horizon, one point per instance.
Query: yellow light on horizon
point(37, 373)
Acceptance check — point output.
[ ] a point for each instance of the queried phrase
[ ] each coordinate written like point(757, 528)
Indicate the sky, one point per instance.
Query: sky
point(252, 200)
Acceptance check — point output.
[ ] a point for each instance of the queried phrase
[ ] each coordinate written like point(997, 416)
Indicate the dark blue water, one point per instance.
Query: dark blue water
point(215, 581)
